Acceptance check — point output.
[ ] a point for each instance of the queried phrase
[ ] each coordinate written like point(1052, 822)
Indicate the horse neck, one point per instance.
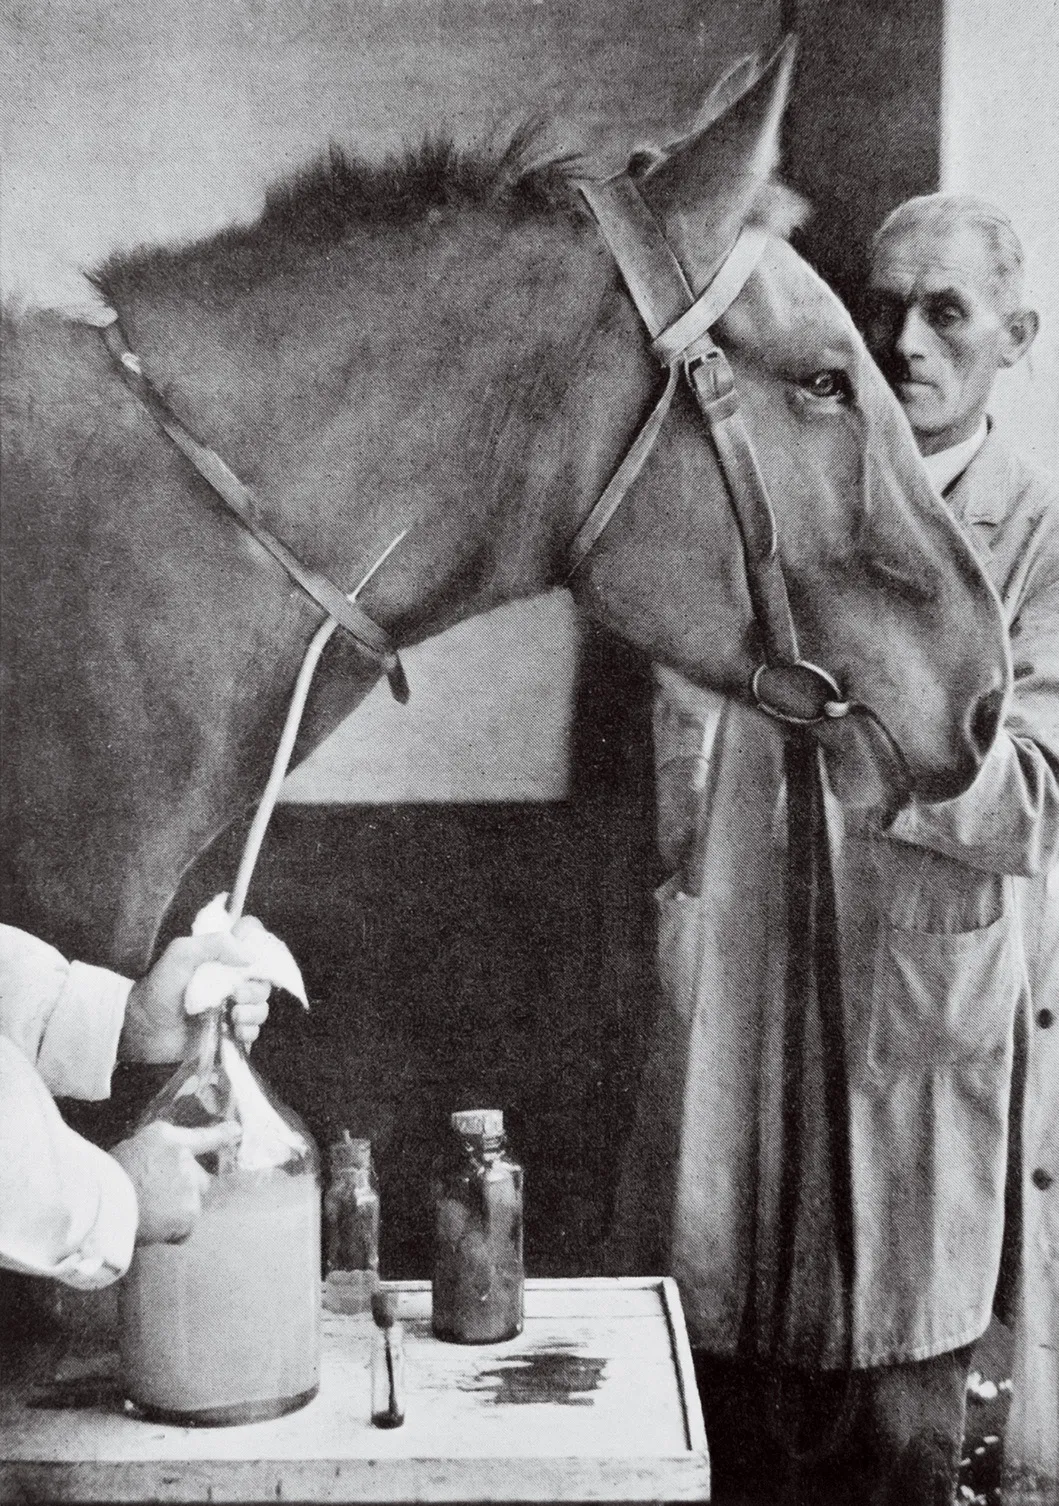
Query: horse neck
point(382, 389)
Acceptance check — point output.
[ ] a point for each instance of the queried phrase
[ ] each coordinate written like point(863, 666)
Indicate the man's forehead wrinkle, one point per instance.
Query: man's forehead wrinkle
point(924, 268)
point(936, 264)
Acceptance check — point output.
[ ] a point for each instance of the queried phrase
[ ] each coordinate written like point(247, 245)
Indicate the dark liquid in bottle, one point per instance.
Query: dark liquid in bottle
point(478, 1274)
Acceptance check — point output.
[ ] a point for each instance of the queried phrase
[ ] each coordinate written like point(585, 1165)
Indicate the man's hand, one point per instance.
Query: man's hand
point(156, 1028)
point(160, 1162)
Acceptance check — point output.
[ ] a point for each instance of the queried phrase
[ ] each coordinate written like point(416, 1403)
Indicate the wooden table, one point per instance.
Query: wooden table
point(595, 1401)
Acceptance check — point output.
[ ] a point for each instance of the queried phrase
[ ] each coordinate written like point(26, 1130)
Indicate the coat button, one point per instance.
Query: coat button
point(1045, 1018)
point(1041, 1179)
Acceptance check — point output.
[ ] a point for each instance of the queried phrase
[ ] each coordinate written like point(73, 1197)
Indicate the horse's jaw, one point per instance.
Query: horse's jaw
point(866, 771)
point(870, 769)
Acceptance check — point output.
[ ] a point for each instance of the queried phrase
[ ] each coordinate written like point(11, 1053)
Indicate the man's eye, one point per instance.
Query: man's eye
point(941, 315)
point(827, 384)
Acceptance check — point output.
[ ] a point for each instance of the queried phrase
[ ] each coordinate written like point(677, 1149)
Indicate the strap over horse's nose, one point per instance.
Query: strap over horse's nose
point(786, 686)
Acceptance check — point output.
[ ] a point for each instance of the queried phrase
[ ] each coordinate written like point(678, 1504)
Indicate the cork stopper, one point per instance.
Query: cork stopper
point(384, 1308)
point(349, 1154)
point(487, 1123)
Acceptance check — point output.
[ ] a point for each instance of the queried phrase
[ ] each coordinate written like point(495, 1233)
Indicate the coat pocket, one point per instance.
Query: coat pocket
point(941, 998)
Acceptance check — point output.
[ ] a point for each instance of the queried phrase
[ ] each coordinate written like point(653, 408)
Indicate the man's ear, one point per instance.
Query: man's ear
point(1020, 329)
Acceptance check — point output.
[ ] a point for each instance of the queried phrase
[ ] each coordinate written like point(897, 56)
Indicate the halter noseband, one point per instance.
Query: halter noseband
point(785, 685)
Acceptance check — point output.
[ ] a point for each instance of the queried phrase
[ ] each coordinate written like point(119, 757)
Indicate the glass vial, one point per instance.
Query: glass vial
point(478, 1275)
point(225, 1327)
point(387, 1363)
point(351, 1220)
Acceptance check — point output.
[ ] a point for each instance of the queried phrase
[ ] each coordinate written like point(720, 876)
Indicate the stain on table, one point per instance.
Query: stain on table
point(549, 1376)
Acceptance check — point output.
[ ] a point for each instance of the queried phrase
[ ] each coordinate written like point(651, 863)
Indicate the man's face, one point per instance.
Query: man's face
point(936, 329)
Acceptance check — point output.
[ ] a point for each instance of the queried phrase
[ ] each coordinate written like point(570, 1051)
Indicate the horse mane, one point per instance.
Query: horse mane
point(339, 193)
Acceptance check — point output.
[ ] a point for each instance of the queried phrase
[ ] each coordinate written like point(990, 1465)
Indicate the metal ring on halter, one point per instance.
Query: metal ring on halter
point(831, 709)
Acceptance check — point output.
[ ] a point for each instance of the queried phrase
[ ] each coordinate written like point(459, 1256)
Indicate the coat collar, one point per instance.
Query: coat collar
point(947, 466)
point(982, 494)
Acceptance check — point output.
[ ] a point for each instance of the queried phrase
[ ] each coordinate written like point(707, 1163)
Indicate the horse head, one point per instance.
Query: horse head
point(881, 582)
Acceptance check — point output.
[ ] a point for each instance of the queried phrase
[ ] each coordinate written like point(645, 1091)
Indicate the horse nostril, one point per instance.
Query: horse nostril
point(985, 721)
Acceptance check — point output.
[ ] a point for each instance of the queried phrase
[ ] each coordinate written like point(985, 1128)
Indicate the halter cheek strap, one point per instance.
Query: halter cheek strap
point(785, 686)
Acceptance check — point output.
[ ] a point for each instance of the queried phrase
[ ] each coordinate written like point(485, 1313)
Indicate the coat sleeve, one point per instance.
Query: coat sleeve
point(67, 1209)
point(65, 1017)
point(1008, 821)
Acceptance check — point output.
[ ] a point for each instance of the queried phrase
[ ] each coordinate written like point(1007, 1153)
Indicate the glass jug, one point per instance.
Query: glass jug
point(225, 1326)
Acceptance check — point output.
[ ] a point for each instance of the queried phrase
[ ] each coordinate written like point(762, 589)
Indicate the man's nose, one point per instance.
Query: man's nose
point(912, 334)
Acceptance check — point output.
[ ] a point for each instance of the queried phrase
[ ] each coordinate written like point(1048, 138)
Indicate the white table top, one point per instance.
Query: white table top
point(594, 1401)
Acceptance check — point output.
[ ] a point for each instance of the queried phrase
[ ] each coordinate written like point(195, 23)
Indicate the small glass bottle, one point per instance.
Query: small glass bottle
point(387, 1363)
point(225, 1326)
point(351, 1219)
point(478, 1276)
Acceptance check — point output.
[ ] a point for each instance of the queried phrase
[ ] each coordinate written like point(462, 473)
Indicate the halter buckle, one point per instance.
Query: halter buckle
point(803, 694)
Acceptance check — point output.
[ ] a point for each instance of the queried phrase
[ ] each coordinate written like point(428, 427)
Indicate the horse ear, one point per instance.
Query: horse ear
point(731, 86)
point(704, 189)
point(723, 94)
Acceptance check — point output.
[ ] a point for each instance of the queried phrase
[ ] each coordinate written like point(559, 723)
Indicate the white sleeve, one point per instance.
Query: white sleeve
point(66, 1017)
point(67, 1209)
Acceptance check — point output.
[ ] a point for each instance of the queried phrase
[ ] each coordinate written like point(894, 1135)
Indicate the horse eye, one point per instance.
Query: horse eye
point(828, 384)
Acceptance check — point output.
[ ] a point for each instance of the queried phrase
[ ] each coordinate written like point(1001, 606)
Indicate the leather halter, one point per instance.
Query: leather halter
point(373, 642)
point(785, 685)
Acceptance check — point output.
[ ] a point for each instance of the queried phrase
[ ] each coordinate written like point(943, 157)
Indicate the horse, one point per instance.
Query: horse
point(439, 344)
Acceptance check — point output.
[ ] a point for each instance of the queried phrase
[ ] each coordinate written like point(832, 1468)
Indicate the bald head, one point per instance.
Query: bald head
point(944, 311)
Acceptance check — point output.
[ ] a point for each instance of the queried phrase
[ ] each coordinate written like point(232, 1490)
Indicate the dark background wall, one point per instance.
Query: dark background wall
point(457, 952)
point(862, 132)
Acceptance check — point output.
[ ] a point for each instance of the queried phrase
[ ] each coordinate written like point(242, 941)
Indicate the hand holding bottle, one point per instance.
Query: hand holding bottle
point(160, 1161)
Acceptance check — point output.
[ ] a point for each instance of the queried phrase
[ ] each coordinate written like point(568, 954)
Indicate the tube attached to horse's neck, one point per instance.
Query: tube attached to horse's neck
point(281, 761)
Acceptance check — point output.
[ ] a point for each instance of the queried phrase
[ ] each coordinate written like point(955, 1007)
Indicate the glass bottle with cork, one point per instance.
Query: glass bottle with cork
point(224, 1327)
point(478, 1280)
point(351, 1220)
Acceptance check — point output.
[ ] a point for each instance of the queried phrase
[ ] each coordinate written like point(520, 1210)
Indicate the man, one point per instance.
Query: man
point(945, 936)
point(945, 315)
point(68, 1210)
